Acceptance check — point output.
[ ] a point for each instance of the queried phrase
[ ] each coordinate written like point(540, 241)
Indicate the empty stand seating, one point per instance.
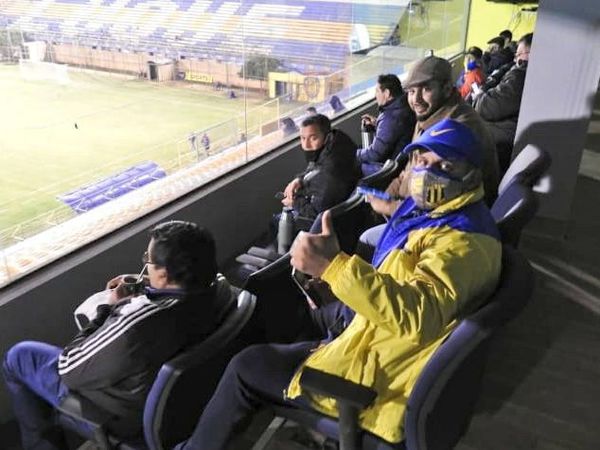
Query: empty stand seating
point(304, 34)
point(88, 197)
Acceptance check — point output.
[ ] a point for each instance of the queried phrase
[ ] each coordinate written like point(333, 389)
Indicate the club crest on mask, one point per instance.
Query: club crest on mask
point(430, 188)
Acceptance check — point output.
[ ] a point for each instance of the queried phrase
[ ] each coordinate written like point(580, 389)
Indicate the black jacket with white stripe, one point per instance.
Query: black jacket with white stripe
point(114, 360)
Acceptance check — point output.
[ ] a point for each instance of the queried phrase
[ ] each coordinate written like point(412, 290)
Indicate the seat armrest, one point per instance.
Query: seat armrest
point(253, 260)
point(264, 253)
point(302, 223)
point(83, 410)
point(342, 390)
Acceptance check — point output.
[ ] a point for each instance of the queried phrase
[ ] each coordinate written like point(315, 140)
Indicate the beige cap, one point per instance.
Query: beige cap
point(427, 69)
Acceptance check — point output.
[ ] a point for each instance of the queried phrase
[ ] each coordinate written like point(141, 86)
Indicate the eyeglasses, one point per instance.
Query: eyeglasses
point(146, 259)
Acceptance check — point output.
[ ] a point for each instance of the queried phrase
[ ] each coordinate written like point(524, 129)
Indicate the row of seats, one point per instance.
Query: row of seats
point(300, 33)
point(442, 400)
point(440, 404)
point(88, 197)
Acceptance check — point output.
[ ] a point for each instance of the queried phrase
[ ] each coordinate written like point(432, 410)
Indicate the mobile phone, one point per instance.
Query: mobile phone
point(300, 279)
point(375, 193)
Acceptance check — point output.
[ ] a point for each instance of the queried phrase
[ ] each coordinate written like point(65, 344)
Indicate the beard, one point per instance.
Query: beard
point(424, 110)
point(426, 114)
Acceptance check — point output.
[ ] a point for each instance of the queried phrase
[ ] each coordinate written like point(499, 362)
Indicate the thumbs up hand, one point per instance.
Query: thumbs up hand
point(312, 253)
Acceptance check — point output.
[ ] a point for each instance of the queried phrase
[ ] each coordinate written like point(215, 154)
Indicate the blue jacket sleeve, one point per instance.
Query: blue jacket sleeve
point(383, 143)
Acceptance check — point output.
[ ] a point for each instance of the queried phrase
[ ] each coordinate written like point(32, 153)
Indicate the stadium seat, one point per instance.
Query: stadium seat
point(309, 36)
point(513, 209)
point(441, 403)
point(118, 190)
point(518, 200)
point(91, 196)
point(141, 181)
point(182, 387)
point(383, 177)
point(529, 167)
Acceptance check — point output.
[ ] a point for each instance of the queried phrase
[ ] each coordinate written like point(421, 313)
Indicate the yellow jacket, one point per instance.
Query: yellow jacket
point(433, 269)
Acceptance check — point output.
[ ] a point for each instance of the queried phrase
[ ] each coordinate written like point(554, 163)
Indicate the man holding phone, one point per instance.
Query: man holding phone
point(114, 359)
point(440, 255)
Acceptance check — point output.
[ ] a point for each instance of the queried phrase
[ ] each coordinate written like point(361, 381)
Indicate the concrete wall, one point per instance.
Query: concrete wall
point(561, 84)
point(133, 63)
point(487, 19)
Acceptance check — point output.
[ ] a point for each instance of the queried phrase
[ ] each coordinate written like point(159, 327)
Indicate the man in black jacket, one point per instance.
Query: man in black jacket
point(114, 360)
point(331, 174)
point(499, 106)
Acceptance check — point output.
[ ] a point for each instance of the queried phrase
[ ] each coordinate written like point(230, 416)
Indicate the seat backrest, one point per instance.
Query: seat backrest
point(184, 384)
point(383, 177)
point(441, 402)
point(529, 167)
point(513, 209)
point(353, 216)
point(257, 280)
point(349, 220)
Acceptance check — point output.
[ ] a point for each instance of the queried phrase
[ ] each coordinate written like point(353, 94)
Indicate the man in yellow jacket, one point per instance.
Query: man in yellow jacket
point(437, 260)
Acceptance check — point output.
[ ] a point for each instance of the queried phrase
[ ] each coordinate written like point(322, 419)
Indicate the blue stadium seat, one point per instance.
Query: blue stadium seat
point(513, 210)
point(314, 35)
point(529, 166)
point(89, 197)
point(518, 197)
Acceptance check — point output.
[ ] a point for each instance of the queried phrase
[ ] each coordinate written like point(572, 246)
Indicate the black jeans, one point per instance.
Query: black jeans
point(258, 376)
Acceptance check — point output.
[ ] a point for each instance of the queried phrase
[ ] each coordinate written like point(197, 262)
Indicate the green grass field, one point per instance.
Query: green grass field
point(120, 122)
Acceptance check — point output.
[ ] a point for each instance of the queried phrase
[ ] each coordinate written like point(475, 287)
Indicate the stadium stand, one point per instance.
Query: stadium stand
point(85, 198)
point(296, 32)
point(52, 243)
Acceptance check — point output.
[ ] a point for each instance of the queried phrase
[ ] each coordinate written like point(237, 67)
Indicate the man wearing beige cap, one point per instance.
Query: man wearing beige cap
point(433, 97)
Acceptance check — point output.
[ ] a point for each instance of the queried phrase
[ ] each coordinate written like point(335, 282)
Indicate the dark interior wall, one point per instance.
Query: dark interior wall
point(236, 208)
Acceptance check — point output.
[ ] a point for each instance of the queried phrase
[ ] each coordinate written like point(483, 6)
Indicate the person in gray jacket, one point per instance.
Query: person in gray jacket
point(499, 106)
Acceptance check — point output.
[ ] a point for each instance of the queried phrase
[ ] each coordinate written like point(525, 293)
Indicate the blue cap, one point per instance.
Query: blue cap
point(450, 139)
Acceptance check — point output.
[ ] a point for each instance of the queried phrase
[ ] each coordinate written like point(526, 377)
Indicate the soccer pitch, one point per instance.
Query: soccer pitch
point(55, 138)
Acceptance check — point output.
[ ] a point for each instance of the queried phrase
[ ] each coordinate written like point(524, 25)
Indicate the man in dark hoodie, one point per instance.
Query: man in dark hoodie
point(393, 127)
point(331, 174)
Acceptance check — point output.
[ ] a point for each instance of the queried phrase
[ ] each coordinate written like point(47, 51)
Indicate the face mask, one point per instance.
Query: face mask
point(430, 188)
point(521, 63)
point(312, 156)
point(471, 65)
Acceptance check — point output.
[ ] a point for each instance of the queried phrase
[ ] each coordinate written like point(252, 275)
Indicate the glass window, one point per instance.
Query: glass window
point(112, 109)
